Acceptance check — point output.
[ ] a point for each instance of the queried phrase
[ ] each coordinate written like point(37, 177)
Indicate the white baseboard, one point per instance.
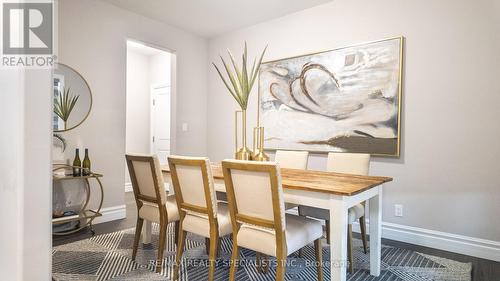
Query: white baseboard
point(470, 246)
point(128, 187)
point(111, 214)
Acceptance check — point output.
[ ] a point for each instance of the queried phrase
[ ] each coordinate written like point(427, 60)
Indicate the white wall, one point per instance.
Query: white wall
point(445, 177)
point(143, 72)
point(160, 68)
point(138, 103)
point(25, 175)
point(92, 39)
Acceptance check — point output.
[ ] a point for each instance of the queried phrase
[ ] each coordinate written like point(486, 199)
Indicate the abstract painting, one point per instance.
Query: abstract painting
point(342, 100)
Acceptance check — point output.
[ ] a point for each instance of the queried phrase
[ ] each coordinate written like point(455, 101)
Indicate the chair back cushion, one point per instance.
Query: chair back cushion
point(257, 190)
point(146, 176)
point(348, 163)
point(292, 159)
point(195, 182)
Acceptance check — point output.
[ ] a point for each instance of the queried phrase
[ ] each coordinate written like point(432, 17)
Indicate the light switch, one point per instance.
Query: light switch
point(184, 127)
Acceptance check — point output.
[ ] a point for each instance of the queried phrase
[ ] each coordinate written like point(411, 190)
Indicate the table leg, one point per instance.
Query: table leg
point(338, 239)
point(375, 205)
point(146, 232)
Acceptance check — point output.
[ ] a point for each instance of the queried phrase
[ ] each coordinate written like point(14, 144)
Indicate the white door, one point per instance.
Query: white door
point(160, 122)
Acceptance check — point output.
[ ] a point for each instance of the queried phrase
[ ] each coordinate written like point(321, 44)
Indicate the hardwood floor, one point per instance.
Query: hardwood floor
point(482, 270)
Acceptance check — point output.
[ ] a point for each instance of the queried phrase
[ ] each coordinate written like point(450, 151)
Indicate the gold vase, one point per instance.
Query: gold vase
point(243, 152)
point(258, 142)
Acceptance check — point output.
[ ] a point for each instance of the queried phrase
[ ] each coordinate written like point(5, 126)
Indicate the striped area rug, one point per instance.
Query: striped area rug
point(107, 257)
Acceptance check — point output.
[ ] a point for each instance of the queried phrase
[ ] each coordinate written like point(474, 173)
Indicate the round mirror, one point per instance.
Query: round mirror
point(72, 99)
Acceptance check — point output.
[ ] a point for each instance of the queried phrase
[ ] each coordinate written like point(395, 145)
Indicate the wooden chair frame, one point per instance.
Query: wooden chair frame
point(362, 227)
point(238, 219)
point(185, 207)
point(140, 198)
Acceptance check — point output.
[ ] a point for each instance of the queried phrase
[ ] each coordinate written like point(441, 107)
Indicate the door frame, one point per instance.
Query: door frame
point(173, 88)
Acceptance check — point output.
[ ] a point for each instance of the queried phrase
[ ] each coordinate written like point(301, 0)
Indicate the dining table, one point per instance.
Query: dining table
point(335, 192)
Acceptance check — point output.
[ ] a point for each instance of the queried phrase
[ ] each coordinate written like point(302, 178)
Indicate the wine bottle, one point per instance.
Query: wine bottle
point(86, 163)
point(77, 164)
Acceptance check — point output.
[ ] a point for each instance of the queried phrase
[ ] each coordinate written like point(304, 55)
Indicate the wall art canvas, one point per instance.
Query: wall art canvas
point(343, 100)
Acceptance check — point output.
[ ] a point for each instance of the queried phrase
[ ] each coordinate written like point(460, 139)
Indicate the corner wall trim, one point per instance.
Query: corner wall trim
point(470, 246)
point(128, 187)
point(112, 213)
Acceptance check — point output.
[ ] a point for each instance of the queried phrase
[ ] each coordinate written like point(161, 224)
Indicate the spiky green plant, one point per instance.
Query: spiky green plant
point(64, 104)
point(241, 81)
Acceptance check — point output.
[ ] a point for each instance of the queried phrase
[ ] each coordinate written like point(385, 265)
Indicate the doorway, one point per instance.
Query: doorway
point(149, 112)
point(160, 121)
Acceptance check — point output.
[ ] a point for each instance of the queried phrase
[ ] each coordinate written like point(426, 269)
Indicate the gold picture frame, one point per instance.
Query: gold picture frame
point(399, 95)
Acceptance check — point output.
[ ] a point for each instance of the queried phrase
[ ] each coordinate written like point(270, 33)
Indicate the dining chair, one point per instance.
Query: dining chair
point(259, 221)
point(152, 201)
point(292, 159)
point(199, 211)
point(287, 159)
point(347, 163)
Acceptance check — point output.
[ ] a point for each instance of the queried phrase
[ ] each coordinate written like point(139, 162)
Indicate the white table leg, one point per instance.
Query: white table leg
point(338, 239)
point(375, 205)
point(146, 232)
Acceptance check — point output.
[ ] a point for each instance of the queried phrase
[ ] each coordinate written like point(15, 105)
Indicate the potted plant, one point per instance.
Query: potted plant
point(64, 104)
point(239, 82)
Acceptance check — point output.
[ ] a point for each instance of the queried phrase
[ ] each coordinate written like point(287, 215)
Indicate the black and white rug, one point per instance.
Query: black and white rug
point(108, 257)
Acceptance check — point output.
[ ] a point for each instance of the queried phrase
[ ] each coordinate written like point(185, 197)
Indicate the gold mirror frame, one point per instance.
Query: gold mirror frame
point(90, 94)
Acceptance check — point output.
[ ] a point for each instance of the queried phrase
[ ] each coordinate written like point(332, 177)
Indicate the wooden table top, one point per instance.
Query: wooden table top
point(317, 181)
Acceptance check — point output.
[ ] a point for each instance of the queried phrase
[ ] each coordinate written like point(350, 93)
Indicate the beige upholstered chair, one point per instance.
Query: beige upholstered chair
point(199, 211)
point(153, 204)
point(259, 222)
point(292, 159)
point(347, 163)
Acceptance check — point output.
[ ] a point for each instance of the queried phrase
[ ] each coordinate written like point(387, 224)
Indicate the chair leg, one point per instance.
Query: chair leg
point(161, 245)
point(207, 246)
point(219, 243)
point(327, 224)
point(180, 251)
point(280, 267)
point(214, 242)
point(176, 234)
point(262, 262)
point(362, 224)
point(258, 262)
point(319, 258)
point(234, 260)
point(301, 213)
point(138, 229)
point(349, 247)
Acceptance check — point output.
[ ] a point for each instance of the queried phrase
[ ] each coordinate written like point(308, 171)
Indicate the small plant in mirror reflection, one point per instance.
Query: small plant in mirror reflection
point(64, 104)
point(241, 81)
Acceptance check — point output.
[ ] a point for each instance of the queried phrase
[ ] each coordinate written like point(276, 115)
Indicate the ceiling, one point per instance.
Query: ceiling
point(209, 18)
